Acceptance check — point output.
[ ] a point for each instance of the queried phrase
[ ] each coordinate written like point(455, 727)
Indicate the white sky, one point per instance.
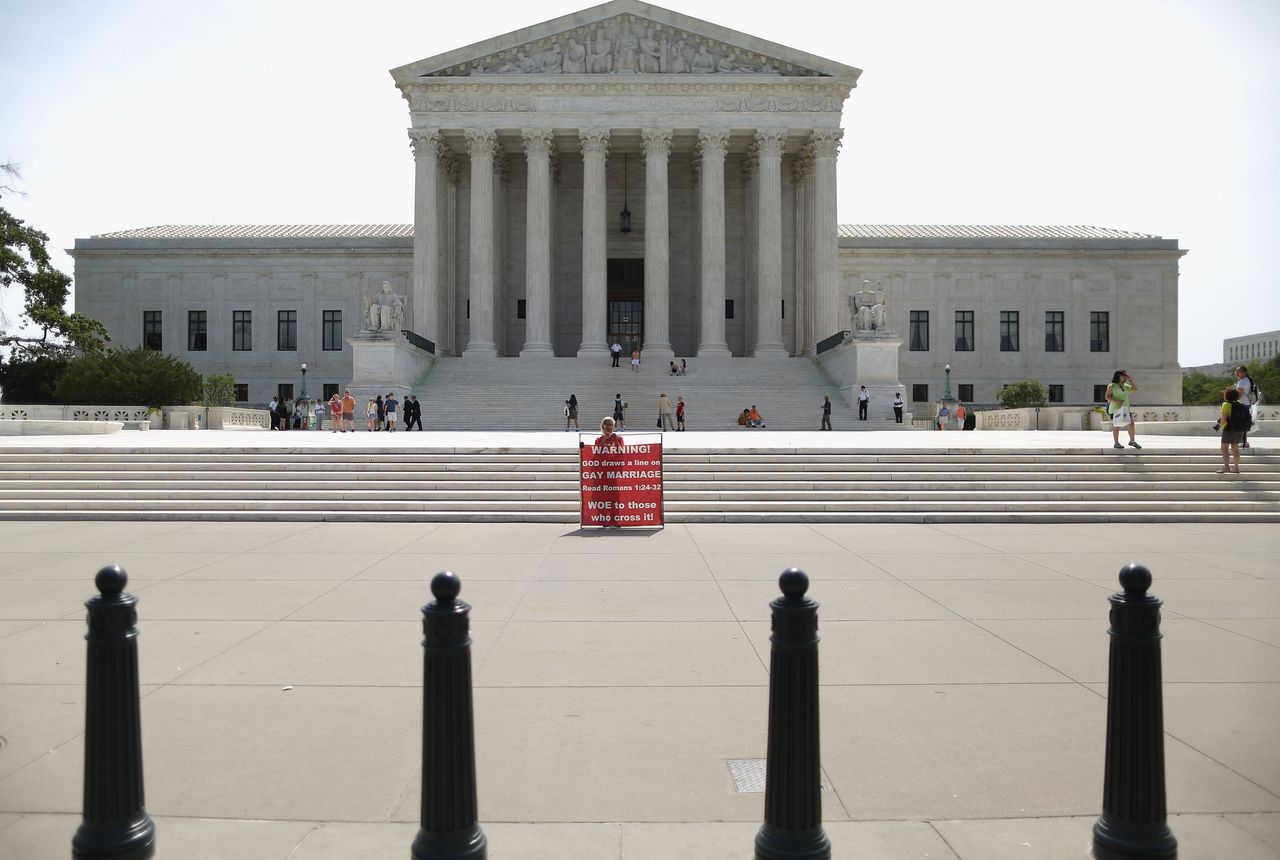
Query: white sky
point(1159, 116)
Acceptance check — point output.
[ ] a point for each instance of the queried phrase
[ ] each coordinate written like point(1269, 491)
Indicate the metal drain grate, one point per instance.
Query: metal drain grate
point(748, 775)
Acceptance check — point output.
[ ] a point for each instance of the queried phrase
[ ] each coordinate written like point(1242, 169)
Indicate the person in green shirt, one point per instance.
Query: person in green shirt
point(1121, 416)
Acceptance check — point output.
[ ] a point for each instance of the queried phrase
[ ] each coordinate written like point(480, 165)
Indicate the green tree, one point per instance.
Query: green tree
point(1026, 392)
point(129, 377)
point(24, 260)
point(220, 389)
point(28, 378)
point(1201, 389)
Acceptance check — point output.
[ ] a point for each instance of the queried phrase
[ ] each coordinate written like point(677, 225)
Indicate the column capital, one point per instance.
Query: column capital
point(826, 142)
point(425, 142)
point(538, 142)
point(713, 142)
point(594, 140)
point(657, 142)
point(770, 142)
point(751, 161)
point(802, 165)
point(481, 141)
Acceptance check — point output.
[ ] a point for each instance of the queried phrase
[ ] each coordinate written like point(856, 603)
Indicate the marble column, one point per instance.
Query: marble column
point(801, 315)
point(595, 149)
point(827, 310)
point(537, 279)
point(657, 250)
point(769, 146)
point(713, 143)
point(481, 144)
point(426, 233)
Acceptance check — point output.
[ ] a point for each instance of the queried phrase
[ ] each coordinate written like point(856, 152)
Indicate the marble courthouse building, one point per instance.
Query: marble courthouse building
point(630, 173)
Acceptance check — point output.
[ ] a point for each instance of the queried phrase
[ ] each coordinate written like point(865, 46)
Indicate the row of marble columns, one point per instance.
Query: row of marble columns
point(819, 278)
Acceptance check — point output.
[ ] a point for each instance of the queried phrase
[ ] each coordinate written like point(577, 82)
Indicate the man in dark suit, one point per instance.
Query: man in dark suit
point(413, 414)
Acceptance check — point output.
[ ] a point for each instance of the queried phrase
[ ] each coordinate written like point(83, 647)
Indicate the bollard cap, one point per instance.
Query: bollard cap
point(1135, 579)
point(446, 585)
point(794, 582)
point(111, 580)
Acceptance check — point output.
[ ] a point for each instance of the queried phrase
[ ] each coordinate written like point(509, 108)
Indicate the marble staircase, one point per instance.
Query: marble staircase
point(520, 394)
point(418, 483)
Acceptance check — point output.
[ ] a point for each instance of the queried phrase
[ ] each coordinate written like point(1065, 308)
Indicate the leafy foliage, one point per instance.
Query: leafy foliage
point(220, 389)
point(31, 378)
point(1026, 392)
point(1202, 389)
point(129, 377)
point(24, 260)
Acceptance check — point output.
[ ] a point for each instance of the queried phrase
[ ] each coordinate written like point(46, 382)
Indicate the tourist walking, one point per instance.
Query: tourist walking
point(348, 411)
point(1235, 421)
point(392, 406)
point(944, 415)
point(1248, 396)
point(1118, 391)
point(664, 413)
point(321, 409)
point(413, 414)
point(571, 413)
point(897, 407)
point(826, 412)
point(863, 399)
point(275, 414)
point(371, 416)
point(619, 411)
point(616, 352)
point(961, 415)
point(679, 413)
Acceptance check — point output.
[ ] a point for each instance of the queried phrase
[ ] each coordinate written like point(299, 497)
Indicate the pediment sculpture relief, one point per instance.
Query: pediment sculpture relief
point(625, 45)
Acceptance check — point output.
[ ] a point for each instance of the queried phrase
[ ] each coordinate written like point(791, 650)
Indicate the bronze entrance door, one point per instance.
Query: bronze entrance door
point(626, 303)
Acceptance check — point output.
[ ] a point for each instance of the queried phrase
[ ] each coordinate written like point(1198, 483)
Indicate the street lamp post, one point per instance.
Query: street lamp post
point(946, 391)
point(303, 394)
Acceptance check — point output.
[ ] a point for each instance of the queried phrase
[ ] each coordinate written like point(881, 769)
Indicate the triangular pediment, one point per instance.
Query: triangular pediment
point(624, 37)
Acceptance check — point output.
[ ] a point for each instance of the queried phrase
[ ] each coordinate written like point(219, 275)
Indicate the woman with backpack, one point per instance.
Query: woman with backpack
point(1248, 394)
point(1118, 399)
point(1234, 420)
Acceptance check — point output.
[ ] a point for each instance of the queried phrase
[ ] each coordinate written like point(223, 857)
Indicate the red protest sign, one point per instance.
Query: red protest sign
point(621, 484)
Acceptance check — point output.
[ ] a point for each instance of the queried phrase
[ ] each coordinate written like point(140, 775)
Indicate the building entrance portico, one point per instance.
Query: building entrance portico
point(626, 303)
point(519, 189)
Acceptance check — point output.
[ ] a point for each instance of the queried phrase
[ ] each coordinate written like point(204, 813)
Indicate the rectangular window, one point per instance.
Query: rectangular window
point(330, 389)
point(964, 331)
point(1054, 331)
point(197, 331)
point(1057, 394)
point(242, 331)
point(1100, 331)
point(284, 391)
point(728, 309)
point(965, 392)
point(1099, 394)
point(919, 331)
point(242, 392)
point(332, 330)
point(151, 337)
point(520, 309)
point(920, 393)
point(1009, 341)
point(287, 331)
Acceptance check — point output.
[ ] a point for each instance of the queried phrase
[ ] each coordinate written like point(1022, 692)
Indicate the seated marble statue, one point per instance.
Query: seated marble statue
point(575, 59)
point(600, 59)
point(650, 54)
point(678, 59)
point(702, 63)
point(385, 312)
point(869, 310)
point(550, 61)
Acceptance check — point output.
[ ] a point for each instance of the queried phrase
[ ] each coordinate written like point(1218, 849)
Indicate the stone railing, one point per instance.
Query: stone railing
point(140, 417)
point(1085, 418)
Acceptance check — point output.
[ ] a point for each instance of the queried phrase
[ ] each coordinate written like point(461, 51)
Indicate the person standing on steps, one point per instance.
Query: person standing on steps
point(897, 407)
point(616, 352)
point(416, 417)
point(348, 412)
point(1234, 420)
point(1118, 392)
point(961, 415)
point(392, 405)
point(619, 412)
point(1248, 395)
point(664, 413)
point(826, 412)
point(635, 358)
point(571, 413)
point(863, 399)
point(679, 413)
point(944, 415)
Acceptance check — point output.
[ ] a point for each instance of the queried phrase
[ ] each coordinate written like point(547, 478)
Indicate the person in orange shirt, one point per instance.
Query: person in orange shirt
point(335, 413)
point(348, 412)
point(753, 418)
point(961, 414)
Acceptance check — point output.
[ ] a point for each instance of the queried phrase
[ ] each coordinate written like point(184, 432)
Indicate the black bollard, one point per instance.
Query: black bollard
point(448, 817)
point(115, 823)
point(792, 828)
point(1133, 823)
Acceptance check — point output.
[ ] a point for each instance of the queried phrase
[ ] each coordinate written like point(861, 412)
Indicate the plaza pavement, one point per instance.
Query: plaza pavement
point(963, 671)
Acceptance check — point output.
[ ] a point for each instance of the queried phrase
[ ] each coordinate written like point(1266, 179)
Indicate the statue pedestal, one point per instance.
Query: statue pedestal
point(867, 358)
point(382, 362)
